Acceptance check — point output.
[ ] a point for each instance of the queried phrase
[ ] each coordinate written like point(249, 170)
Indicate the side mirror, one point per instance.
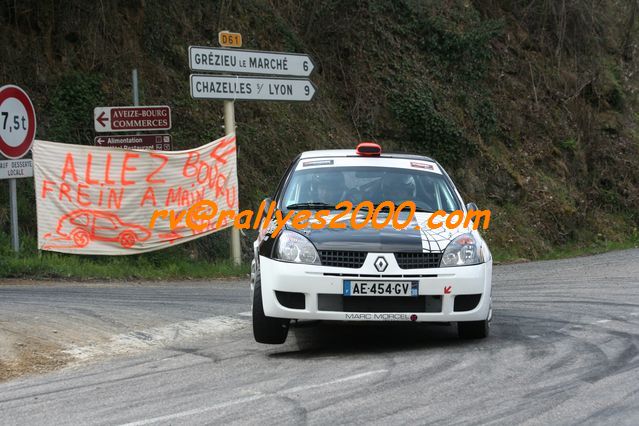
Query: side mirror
point(471, 206)
point(267, 202)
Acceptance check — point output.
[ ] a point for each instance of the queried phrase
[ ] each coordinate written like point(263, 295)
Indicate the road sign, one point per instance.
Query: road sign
point(158, 142)
point(129, 118)
point(229, 39)
point(17, 122)
point(249, 61)
point(11, 169)
point(251, 88)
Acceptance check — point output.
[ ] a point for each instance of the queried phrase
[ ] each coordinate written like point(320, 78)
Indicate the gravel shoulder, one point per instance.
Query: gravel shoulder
point(46, 325)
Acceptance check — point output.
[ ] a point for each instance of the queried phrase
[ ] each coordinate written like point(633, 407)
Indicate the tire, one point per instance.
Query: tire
point(80, 237)
point(473, 329)
point(127, 239)
point(269, 330)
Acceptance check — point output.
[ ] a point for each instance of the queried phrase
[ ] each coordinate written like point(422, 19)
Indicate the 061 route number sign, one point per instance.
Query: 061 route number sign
point(17, 122)
point(228, 39)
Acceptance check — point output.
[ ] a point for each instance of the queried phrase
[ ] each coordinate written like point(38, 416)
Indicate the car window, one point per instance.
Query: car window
point(105, 223)
point(330, 185)
point(80, 220)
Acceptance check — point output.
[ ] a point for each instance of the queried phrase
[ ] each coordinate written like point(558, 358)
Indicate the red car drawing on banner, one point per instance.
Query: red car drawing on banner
point(83, 226)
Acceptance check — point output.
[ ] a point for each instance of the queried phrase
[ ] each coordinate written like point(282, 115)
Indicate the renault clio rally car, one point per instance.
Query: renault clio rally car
point(412, 274)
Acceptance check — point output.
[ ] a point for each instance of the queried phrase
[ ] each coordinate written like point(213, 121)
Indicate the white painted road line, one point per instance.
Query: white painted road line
point(602, 321)
point(250, 398)
point(333, 382)
point(245, 314)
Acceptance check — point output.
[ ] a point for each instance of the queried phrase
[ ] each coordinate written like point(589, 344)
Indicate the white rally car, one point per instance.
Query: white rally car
point(412, 274)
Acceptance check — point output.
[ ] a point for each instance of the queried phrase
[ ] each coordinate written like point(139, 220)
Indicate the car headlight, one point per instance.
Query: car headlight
point(463, 250)
point(293, 247)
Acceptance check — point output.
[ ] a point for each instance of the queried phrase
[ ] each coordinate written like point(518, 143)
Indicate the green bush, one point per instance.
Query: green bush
point(467, 52)
point(427, 130)
point(71, 108)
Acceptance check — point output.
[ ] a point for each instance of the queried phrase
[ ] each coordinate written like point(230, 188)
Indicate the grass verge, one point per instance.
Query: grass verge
point(172, 263)
point(571, 250)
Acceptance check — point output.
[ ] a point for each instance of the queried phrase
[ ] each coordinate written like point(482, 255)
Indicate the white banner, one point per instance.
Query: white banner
point(100, 200)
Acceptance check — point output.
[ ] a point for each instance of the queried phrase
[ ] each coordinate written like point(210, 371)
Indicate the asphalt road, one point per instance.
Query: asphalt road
point(563, 350)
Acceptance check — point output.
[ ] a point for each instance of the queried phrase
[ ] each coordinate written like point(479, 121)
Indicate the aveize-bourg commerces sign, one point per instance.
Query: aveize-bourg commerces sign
point(131, 118)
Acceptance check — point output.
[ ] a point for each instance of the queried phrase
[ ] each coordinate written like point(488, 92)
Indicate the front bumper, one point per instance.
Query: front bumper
point(319, 284)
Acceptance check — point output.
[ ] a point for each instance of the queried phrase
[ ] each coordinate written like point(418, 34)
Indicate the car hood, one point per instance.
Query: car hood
point(387, 239)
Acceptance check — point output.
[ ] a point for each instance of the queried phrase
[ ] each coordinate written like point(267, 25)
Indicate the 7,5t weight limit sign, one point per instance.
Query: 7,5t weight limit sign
point(251, 88)
point(17, 122)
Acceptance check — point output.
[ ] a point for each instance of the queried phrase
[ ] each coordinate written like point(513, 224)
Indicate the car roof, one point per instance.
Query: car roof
point(351, 153)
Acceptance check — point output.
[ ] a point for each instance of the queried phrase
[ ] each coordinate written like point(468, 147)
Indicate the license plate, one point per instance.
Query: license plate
point(381, 288)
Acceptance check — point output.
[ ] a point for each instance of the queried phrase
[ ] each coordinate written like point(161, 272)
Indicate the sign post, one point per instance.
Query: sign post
point(13, 203)
point(134, 78)
point(229, 127)
point(17, 130)
point(230, 88)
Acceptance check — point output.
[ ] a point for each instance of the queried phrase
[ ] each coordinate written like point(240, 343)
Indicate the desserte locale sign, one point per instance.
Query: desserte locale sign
point(12, 169)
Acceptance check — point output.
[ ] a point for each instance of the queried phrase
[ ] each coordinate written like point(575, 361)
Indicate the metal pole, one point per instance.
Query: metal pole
point(136, 95)
point(229, 127)
point(13, 201)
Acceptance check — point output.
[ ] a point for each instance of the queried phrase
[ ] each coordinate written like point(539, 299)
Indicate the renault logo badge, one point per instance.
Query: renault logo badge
point(381, 264)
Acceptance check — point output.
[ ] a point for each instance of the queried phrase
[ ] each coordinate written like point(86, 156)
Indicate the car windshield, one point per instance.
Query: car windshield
point(323, 188)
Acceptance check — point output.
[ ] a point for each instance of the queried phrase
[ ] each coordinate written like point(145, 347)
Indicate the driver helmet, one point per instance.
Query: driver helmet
point(398, 187)
point(329, 187)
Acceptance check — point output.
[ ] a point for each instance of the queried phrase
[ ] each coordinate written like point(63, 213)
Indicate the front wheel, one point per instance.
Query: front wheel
point(473, 329)
point(267, 330)
point(127, 239)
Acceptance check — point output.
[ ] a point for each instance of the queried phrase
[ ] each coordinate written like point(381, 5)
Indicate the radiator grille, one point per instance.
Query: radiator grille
point(416, 260)
point(343, 258)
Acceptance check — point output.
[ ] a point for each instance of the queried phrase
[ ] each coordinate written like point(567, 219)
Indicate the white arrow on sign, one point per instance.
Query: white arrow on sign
point(249, 61)
point(251, 88)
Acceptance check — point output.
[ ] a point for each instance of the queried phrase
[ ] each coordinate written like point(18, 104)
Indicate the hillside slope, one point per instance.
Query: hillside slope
point(531, 105)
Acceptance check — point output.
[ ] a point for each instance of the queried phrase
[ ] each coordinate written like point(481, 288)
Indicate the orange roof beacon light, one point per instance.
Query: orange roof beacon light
point(368, 149)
